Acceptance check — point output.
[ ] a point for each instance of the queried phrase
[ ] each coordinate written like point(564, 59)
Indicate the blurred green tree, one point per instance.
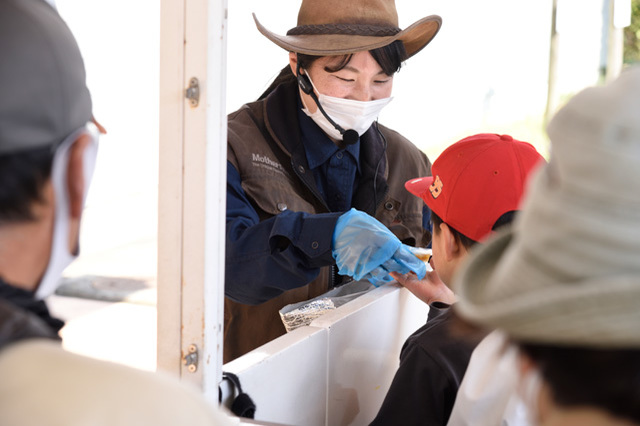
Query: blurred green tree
point(632, 35)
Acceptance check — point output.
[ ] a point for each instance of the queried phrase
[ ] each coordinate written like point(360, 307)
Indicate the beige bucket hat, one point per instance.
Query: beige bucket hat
point(568, 272)
point(338, 27)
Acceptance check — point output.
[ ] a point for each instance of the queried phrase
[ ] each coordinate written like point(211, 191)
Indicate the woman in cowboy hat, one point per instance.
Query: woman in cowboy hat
point(309, 150)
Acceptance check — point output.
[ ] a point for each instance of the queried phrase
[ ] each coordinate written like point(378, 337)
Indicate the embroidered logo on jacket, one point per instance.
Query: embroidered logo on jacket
point(266, 163)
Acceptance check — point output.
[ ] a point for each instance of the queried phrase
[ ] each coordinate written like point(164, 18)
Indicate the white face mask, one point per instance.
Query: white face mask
point(60, 257)
point(529, 386)
point(348, 113)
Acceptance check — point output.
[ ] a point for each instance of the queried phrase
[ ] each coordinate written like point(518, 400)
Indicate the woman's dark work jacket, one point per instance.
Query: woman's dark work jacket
point(279, 228)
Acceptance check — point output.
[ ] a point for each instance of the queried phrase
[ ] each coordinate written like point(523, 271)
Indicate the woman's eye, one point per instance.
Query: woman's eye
point(345, 79)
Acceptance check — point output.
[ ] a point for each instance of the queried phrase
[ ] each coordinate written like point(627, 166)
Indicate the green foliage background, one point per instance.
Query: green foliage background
point(632, 35)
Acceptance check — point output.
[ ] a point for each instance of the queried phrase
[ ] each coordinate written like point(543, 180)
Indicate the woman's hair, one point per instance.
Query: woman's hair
point(22, 176)
point(608, 379)
point(389, 57)
point(467, 242)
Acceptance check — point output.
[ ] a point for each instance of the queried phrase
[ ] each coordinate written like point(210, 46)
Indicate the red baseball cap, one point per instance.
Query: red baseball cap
point(476, 180)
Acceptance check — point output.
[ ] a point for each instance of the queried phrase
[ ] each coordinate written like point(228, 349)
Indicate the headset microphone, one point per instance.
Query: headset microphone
point(350, 136)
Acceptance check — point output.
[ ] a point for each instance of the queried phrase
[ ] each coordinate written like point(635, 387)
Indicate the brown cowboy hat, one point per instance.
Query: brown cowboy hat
point(339, 27)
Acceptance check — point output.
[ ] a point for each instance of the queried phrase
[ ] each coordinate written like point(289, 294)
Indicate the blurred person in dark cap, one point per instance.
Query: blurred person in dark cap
point(562, 287)
point(48, 147)
point(315, 185)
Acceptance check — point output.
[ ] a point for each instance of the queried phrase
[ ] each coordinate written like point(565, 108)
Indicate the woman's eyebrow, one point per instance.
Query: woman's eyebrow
point(353, 69)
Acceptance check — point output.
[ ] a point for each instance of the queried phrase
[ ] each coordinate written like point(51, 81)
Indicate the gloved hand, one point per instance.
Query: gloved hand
point(364, 248)
point(403, 261)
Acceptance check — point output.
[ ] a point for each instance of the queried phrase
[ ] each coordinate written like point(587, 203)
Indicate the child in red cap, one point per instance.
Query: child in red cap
point(475, 187)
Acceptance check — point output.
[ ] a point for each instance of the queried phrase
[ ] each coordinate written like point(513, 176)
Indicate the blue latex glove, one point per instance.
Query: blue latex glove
point(403, 261)
point(365, 249)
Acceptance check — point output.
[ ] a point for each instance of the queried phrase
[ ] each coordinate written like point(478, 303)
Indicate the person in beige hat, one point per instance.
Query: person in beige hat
point(564, 283)
point(308, 152)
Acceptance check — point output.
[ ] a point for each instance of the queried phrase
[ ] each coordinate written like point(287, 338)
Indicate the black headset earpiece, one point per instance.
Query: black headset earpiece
point(304, 83)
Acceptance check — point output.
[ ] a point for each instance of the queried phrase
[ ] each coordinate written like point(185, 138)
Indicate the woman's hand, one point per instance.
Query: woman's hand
point(429, 289)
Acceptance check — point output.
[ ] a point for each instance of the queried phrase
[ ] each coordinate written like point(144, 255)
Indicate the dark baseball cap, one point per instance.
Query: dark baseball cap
point(43, 92)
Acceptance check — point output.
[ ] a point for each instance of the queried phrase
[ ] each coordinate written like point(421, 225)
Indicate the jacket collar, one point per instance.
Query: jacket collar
point(22, 315)
point(281, 116)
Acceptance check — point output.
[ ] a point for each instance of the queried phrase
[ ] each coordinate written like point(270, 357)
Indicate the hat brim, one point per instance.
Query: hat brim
point(419, 186)
point(500, 286)
point(415, 38)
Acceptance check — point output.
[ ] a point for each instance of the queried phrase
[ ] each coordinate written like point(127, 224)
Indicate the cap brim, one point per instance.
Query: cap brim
point(419, 186)
point(414, 37)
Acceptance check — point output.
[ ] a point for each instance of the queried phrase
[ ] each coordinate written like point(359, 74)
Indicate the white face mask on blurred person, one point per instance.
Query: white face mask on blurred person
point(348, 113)
point(528, 390)
point(60, 257)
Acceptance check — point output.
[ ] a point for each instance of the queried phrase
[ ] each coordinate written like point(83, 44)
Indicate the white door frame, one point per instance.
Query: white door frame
point(192, 191)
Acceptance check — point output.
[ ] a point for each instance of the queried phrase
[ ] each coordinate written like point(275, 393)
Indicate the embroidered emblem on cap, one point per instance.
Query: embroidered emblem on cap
point(436, 187)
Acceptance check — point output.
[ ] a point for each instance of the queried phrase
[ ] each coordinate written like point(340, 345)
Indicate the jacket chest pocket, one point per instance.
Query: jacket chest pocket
point(404, 219)
point(275, 194)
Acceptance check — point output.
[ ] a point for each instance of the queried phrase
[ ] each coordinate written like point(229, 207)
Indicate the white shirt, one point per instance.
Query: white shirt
point(488, 394)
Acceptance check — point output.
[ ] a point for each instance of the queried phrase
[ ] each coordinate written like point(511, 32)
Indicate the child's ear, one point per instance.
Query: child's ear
point(452, 246)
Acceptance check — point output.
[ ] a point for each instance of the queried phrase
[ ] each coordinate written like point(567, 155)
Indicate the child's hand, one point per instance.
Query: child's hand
point(429, 289)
